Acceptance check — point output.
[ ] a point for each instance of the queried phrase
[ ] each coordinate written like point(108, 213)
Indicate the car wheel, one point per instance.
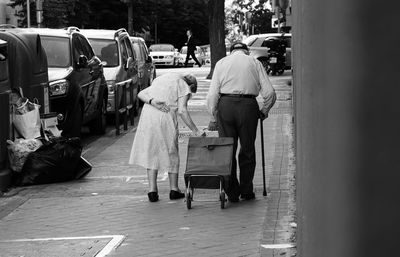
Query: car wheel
point(98, 126)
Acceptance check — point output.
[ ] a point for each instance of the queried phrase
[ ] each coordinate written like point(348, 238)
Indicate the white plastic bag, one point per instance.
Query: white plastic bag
point(26, 119)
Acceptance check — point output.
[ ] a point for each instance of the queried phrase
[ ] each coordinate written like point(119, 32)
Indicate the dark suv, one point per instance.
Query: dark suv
point(78, 90)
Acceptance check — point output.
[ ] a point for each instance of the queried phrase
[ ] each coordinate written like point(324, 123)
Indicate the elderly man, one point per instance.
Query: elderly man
point(237, 80)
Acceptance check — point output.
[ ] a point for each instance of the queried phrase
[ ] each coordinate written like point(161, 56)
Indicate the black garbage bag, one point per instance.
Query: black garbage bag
point(55, 161)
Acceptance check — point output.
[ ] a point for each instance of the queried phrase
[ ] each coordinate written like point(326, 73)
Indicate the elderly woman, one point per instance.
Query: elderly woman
point(155, 146)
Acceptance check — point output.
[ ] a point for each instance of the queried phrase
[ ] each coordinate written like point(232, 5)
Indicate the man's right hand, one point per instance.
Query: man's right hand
point(213, 126)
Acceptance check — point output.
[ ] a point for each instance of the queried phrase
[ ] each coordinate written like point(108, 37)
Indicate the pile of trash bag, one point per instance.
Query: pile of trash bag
point(57, 160)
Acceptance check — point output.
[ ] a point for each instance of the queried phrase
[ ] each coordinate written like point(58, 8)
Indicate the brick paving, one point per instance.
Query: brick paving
point(112, 200)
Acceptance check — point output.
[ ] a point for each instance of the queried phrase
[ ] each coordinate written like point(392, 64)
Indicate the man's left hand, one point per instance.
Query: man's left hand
point(263, 116)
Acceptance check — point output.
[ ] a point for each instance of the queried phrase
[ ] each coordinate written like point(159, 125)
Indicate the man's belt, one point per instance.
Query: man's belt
point(238, 95)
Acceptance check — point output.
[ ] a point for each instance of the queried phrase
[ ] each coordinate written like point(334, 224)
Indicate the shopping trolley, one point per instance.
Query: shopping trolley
point(208, 166)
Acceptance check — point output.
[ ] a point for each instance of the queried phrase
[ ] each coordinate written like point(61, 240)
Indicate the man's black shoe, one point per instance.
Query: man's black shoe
point(174, 195)
point(250, 196)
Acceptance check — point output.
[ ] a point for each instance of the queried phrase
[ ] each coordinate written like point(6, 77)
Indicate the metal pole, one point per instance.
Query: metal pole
point(277, 13)
point(28, 13)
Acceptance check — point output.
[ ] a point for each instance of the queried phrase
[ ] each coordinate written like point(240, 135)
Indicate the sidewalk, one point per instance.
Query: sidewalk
point(108, 211)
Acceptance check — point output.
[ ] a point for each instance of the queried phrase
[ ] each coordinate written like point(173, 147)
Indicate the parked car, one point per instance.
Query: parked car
point(258, 47)
point(78, 90)
point(146, 67)
point(164, 55)
point(200, 55)
point(115, 50)
point(207, 54)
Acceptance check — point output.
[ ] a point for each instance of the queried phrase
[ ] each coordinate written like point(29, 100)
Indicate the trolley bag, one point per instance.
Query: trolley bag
point(208, 166)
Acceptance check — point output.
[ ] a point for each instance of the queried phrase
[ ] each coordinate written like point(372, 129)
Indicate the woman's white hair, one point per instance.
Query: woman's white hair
point(191, 80)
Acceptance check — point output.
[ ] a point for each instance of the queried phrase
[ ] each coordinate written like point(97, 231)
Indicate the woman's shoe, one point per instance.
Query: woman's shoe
point(173, 195)
point(153, 196)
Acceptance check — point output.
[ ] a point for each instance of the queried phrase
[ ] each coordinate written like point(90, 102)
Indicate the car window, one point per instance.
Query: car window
point(129, 47)
point(57, 51)
point(250, 40)
point(268, 42)
point(124, 52)
point(162, 48)
point(3, 64)
point(137, 51)
point(107, 51)
point(88, 52)
point(77, 48)
point(143, 51)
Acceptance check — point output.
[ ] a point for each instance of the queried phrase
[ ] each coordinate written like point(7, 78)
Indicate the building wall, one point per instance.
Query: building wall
point(347, 127)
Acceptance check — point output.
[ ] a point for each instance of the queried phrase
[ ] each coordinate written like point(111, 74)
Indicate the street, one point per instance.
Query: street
point(107, 213)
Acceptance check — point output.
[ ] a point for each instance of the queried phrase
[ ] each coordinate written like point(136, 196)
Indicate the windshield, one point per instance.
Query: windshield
point(250, 40)
point(162, 48)
point(57, 51)
point(106, 50)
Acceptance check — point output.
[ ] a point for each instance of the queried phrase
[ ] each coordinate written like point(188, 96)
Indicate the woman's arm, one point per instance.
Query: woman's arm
point(145, 96)
point(184, 114)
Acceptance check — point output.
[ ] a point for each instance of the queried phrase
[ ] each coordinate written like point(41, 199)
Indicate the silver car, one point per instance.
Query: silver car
point(164, 55)
point(258, 49)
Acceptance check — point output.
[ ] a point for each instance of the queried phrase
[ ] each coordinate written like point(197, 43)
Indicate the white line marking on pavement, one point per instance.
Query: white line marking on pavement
point(278, 246)
point(197, 102)
point(113, 244)
point(115, 241)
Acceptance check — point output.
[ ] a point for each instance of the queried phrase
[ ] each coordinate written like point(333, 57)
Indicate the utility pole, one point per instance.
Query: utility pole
point(130, 17)
point(129, 3)
point(276, 9)
point(28, 13)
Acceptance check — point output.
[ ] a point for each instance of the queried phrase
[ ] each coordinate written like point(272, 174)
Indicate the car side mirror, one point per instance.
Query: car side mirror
point(82, 61)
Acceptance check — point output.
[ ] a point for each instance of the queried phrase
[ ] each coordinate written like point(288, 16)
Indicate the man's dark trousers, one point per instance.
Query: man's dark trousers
point(238, 118)
point(191, 53)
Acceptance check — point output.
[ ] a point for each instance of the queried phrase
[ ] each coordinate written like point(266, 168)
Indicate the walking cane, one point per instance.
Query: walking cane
point(263, 157)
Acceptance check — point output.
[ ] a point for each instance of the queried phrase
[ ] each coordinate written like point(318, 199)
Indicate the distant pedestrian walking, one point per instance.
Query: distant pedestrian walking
point(237, 80)
point(191, 47)
point(155, 146)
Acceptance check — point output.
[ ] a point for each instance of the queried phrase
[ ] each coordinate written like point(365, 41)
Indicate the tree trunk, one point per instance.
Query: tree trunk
point(216, 23)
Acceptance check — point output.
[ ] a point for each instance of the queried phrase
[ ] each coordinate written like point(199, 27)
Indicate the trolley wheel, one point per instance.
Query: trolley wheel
point(222, 199)
point(188, 200)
